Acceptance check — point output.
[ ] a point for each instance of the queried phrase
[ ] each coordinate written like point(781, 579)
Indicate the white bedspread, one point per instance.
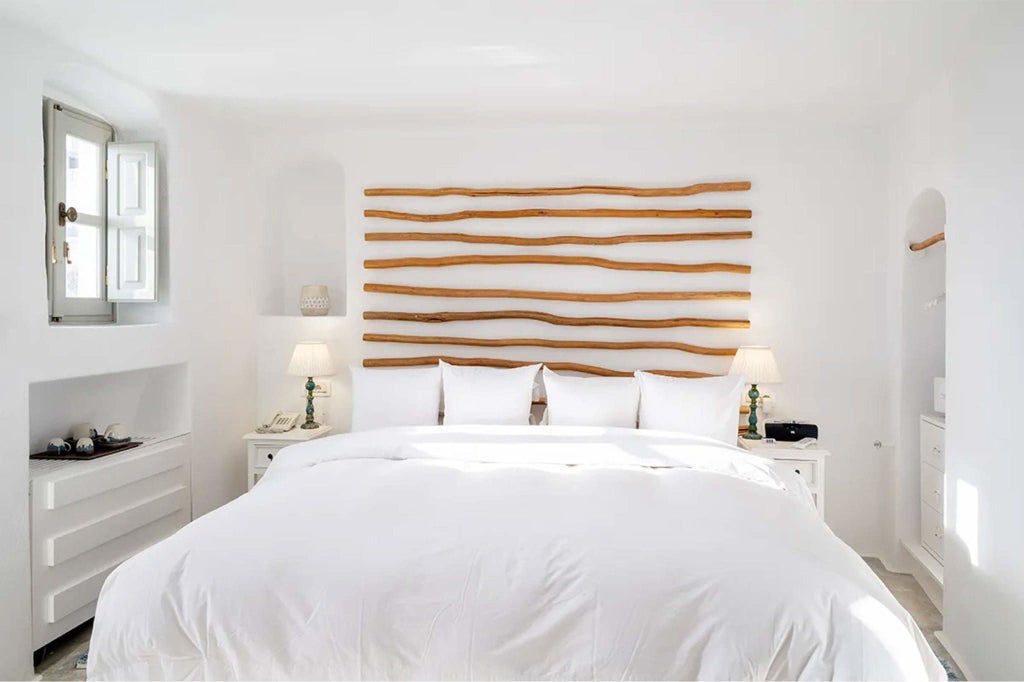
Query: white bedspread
point(507, 552)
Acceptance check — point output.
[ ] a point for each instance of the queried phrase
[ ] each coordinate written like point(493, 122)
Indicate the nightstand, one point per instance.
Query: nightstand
point(263, 447)
point(808, 463)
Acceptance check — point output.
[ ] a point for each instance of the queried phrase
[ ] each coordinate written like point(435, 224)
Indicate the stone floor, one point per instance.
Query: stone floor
point(58, 662)
point(910, 595)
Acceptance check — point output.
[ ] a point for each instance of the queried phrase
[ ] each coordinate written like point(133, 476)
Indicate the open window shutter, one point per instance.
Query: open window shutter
point(131, 221)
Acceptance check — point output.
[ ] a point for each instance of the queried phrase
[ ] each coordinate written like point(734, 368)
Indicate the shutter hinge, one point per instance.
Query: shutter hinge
point(58, 107)
point(106, 276)
point(106, 170)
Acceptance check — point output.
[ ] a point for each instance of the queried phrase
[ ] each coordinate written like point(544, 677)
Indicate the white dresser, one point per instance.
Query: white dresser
point(933, 483)
point(88, 517)
point(263, 447)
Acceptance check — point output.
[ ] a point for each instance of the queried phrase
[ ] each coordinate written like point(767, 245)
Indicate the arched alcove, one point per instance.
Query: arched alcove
point(922, 359)
point(305, 204)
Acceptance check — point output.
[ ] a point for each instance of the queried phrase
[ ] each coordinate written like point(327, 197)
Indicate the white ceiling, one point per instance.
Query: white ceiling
point(816, 57)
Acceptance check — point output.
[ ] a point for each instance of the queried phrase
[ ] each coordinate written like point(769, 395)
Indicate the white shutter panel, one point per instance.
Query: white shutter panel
point(131, 221)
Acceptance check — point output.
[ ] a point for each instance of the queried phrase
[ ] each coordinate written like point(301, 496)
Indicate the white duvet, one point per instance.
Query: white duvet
point(510, 553)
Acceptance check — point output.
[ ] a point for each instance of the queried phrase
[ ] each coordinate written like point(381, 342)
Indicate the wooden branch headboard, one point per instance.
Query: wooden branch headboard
point(589, 325)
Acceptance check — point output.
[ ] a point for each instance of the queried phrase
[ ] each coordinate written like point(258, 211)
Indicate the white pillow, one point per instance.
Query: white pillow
point(395, 397)
point(703, 407)
point(591, 401)
point(486, 395)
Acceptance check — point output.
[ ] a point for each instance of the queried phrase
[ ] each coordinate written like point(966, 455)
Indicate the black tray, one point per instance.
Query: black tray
point(102, 449)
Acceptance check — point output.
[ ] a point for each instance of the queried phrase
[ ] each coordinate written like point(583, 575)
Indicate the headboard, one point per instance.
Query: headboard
point(414, 317)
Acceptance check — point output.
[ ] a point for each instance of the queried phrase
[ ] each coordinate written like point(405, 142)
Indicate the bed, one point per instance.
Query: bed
point(512, 552)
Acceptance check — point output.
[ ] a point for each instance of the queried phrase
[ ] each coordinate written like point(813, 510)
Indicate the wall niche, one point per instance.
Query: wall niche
point(305, 236)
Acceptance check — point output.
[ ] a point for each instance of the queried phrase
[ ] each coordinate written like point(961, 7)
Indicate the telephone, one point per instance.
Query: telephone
point(279, 423)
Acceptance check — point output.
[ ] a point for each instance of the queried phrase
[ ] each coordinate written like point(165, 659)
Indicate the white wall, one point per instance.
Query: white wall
point(818, 281)
point(206, 318)
point(963, 136)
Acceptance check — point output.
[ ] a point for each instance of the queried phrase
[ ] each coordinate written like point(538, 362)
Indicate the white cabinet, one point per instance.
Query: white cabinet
point(933, 484)
point(263, 448)
point(88, 517)
point(808, 463)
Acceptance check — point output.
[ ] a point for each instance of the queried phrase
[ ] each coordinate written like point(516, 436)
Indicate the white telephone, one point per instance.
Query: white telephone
point(279, 423)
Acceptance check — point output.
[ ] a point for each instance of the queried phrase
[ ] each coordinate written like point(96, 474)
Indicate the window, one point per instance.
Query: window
point(101, 237)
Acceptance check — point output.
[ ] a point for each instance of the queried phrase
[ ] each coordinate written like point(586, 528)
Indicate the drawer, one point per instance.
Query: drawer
point(932, 530)
point(263, 455)
point(933, 445)
point(807, 469)
point(933, 487)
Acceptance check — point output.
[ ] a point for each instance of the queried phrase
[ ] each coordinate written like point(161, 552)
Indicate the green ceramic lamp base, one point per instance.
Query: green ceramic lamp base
point(309, 423)
point(752, 433)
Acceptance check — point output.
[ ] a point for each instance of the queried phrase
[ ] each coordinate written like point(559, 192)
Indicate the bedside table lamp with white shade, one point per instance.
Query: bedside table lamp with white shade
point(310, 359)
point(757, 364)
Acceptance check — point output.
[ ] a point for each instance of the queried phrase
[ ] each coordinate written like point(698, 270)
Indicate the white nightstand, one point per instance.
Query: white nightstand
point(809, 463)
point(263, 447)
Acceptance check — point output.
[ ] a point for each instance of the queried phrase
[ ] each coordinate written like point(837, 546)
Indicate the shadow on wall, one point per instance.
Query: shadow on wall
point(305, 208)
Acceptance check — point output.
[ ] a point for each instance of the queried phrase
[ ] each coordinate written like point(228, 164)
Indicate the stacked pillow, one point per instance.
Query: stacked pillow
point(486, 395)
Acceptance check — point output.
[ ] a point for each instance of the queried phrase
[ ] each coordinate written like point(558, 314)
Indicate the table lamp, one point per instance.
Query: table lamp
point(310, 359)
point(757, 364)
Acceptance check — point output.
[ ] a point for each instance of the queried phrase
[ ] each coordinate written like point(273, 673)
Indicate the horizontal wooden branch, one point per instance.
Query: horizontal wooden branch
point(539, 259)
point(636, 323)
point(564, 213)
point(688, 190)
point(558, 295)
point(925, 243)
point(547, 343)
point(553, 241)
point(492, 362)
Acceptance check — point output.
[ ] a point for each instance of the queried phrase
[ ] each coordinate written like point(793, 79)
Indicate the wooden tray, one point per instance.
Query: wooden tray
point(101, 451)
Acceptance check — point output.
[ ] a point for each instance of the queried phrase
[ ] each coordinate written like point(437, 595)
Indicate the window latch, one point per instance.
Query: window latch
point(66, 214)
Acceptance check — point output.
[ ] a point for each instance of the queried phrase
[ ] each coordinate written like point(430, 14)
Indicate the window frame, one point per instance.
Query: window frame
point(62, 310)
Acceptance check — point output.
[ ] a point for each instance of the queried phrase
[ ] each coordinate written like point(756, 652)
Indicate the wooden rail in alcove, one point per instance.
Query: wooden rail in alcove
point(540, 259)
point(508, 240)
point(547, 343)
point(494, 362)
point(930, 241)
point(637, 323)
point(687, 190)
point(563, 213)
point(558, 295)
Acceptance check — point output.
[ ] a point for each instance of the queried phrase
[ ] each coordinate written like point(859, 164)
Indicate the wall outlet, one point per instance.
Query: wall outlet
point(322, 388)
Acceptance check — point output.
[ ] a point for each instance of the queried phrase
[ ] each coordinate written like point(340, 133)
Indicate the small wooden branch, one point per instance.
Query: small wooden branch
point(538, 259)
point(558, 295)
point(688, 190)
point(564, 213)
point(925, 243)
point(557, 319)
point(547, 343)
point(492, 362)
point(553, 241)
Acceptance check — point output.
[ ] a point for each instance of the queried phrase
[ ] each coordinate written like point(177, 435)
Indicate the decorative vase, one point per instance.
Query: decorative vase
point(314, 300)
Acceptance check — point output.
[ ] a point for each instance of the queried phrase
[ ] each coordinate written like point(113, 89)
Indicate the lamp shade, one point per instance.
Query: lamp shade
point(757, 363)
point(311, 359)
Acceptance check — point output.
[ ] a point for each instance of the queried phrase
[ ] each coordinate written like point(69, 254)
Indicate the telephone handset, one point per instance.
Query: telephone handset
point(279, 423)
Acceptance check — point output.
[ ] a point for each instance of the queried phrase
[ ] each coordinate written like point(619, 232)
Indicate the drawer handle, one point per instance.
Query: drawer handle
point(270, 456)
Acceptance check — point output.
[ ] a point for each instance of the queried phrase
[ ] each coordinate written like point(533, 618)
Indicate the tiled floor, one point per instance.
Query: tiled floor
point(59, 661)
